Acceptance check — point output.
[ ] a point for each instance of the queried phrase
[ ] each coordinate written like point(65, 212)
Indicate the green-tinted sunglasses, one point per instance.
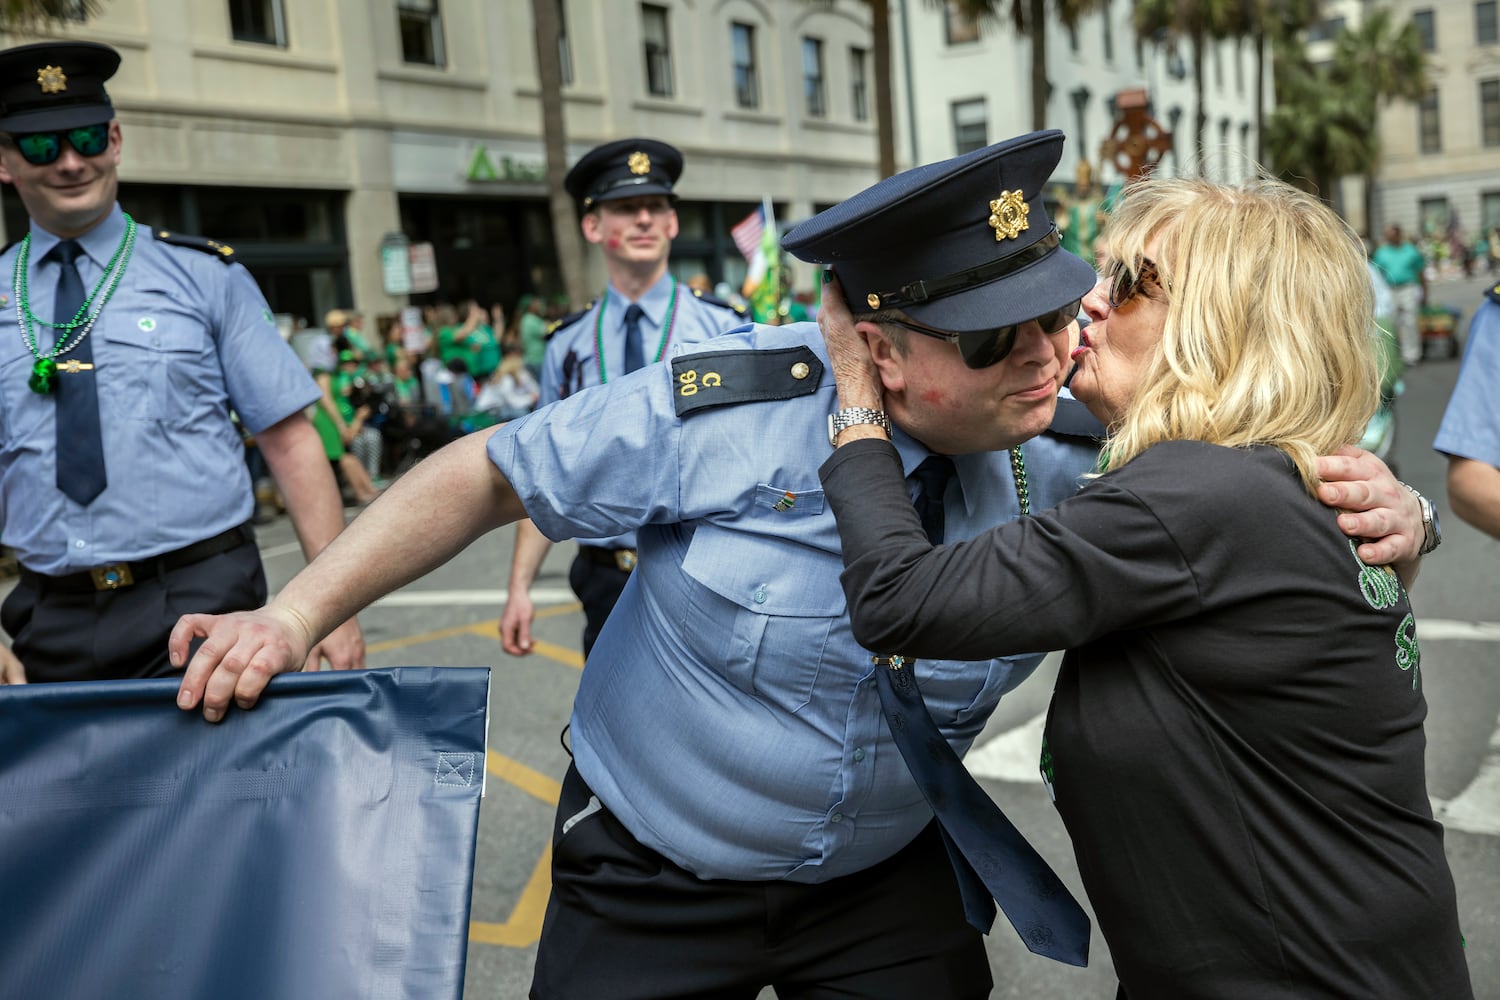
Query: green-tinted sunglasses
point(42, 148)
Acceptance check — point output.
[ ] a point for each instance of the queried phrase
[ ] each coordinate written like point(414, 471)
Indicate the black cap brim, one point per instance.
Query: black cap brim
point(57, 119)
point(1050, 283)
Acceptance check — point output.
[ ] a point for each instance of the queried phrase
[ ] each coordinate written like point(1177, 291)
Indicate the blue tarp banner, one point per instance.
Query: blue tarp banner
point(319, 846)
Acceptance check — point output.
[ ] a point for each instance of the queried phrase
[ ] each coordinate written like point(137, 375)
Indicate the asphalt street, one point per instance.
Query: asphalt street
point(449, 618)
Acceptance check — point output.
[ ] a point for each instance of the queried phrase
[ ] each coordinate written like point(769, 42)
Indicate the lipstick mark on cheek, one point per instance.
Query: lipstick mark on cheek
point(933, 397)
point(614, 243)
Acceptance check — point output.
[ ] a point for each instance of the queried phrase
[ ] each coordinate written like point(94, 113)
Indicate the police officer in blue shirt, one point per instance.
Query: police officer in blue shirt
point(123, 487)
point(738, 815)
point(624, 192)
point(1470, 431)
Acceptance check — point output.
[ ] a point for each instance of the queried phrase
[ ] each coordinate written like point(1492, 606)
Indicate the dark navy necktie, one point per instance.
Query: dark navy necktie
point(991, 859)
point(80, 445)
point(634, 353)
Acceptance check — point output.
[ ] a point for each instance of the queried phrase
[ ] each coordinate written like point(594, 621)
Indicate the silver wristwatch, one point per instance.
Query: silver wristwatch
point(853, 416)
point(1432, 532)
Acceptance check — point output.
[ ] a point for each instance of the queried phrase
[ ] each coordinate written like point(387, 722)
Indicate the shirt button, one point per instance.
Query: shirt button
point(759, 597)
point(859, 753)
point(79, 543)
point(836, 818)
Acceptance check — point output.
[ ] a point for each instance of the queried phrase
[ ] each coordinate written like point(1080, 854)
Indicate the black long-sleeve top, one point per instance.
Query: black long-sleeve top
point(1235, 743)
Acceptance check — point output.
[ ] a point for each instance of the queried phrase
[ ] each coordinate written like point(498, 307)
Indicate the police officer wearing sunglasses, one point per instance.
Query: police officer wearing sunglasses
point(123, 488)
point(738, 813)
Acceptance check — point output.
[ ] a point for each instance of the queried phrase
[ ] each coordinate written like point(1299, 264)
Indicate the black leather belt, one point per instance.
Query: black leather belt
point(620, 559)
point(113, 576)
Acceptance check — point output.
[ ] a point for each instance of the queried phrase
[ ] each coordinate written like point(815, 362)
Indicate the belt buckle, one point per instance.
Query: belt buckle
point(625, 560)
point(112, 576)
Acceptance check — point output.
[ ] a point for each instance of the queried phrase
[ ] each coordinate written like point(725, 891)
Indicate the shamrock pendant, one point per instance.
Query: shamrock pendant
point(43, 374)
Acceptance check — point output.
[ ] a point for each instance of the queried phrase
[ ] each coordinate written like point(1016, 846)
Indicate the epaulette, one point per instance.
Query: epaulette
point(721, 378)
point(202, 243)
point(721, 303)
point(569, 319)
point(1074, 419)
point(1493, 294)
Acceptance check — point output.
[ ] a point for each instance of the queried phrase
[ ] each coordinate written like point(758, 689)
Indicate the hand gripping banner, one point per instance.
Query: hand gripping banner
point(319, 846)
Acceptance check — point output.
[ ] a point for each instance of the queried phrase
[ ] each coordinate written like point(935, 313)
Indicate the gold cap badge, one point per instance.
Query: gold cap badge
point(1008, 215)
point(51, 79)
point(639, 163)
point(874, 300)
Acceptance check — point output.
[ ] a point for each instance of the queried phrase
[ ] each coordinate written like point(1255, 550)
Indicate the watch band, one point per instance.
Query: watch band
point(1432, 532)
point(853, 416)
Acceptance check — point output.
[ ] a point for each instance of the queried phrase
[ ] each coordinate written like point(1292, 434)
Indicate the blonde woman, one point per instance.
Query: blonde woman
point(1235, 742)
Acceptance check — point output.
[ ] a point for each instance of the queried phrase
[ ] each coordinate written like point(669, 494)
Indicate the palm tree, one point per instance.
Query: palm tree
point(1319, 132)
point(1267, 23)
point(1198, 21)
point(1028, 18)
point(31, 15)
point(1386, 63)
point(554, 139)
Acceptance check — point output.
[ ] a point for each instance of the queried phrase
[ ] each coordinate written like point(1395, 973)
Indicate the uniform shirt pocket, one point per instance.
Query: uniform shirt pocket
point(794, 503)
point(770, 612)
point(159, 362)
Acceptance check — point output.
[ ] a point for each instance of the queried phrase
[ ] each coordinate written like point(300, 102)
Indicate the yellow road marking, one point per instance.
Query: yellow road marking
point(524, 928)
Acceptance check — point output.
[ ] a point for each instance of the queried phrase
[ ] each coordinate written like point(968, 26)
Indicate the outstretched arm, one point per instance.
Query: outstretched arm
point(422, 521)
point(294, 453)
point(515, 623)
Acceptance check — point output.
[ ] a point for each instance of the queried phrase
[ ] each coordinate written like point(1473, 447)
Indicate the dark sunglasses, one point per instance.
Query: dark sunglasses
point(1125, 283)
point(982, 348)
point(42, 148)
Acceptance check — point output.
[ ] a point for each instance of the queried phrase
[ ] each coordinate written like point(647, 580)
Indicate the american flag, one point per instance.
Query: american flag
point(748, 232)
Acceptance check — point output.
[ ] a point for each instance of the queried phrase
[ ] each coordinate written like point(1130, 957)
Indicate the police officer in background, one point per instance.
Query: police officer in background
point(624, 190)
point(123, 487)
point(1470, 432)
point(738, 814)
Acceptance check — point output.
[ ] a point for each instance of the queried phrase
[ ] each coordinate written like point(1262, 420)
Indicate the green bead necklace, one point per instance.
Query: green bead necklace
point(44, 370)
point(1018, 472)
point(666, 333)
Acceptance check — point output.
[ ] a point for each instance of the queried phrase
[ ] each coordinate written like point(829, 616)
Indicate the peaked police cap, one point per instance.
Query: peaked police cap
point(628, 168)
point(50, 86)
point(962, 244)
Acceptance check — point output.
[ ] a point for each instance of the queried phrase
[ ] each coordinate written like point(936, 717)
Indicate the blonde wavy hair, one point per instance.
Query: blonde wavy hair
point(1270, 314)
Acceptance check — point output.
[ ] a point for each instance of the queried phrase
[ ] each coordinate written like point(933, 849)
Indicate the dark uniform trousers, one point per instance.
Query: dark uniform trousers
point(625, 923)
point(62, 632)
point(598, 580)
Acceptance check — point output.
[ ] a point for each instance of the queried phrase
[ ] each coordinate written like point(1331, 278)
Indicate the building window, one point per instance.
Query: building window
point(1489, 211)
point(1484, 23)
point(959, 26)
point(1429, 124)
point(1072, 39)
point(1433, 215)
point(1422, 19)
point(970, 126)
point(859, 87)
point(1218, 60)
point(742, 46)
point(1326, 30)
point(1489, 112)
point(259, 21)
point(564, 50)
point(812, 77)
point(658, 50)
point(421, 32)
point(1109, 32)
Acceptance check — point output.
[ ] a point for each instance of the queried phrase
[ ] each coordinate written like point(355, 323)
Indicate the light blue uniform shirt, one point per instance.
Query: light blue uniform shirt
point(1471, 423)
point(726, 714)
point(184, 338)
point(573, 362)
